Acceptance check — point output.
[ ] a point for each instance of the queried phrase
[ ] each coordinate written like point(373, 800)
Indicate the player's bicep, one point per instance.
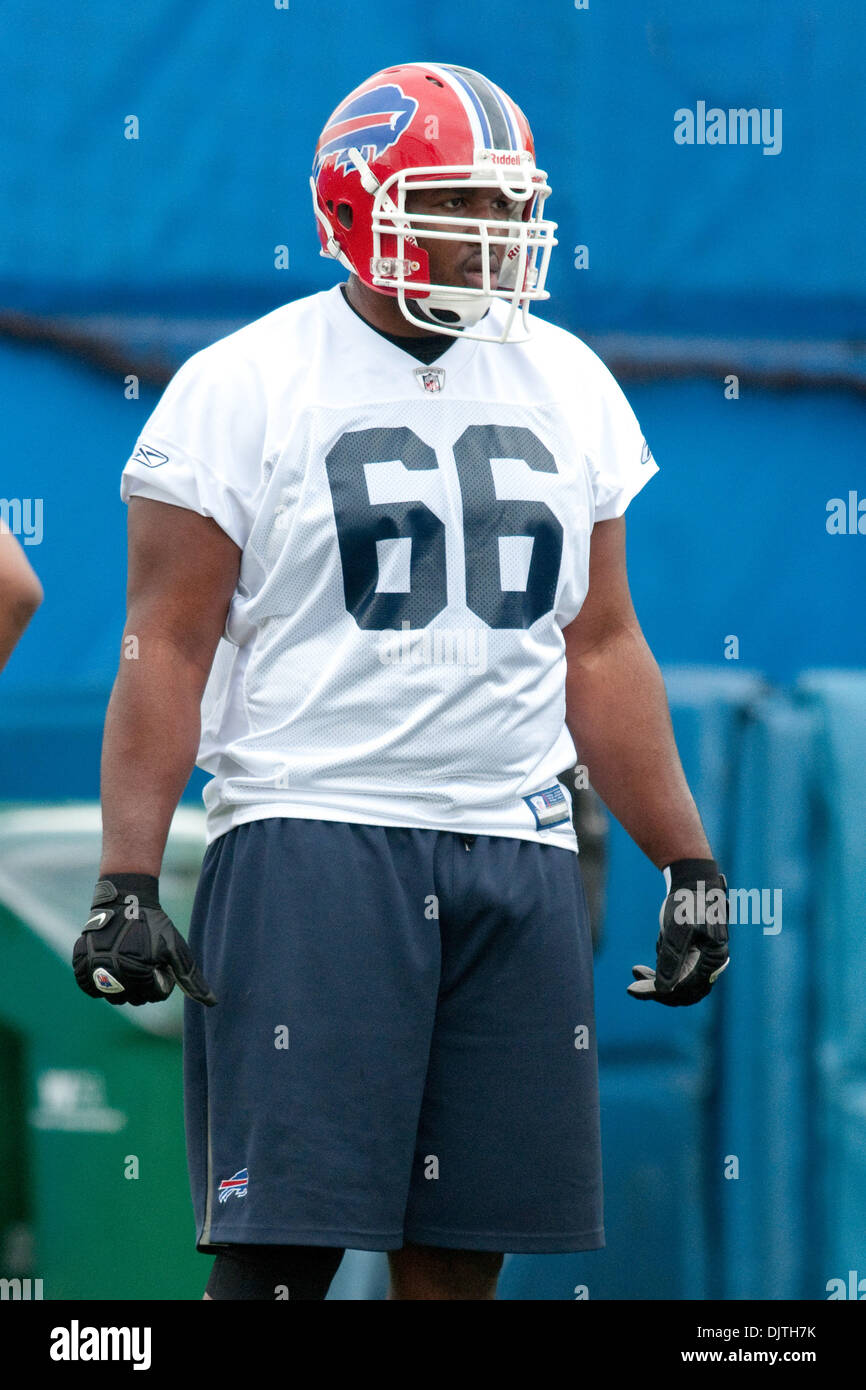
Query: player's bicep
point(607, 608)
point(183, 572)
point(20, 590)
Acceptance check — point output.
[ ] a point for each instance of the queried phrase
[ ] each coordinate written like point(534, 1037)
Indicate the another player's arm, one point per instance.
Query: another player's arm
point(20, 593)
point(183, 570)
point(617, 713)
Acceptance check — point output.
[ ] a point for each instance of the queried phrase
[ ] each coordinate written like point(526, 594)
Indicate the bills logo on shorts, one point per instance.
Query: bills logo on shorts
point(238, 1184)
point(549, 807)
point(371, 123)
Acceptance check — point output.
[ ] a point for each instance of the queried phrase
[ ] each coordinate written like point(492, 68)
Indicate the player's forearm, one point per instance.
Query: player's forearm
point(15, 614)
point(151, 737)
point(617, 713)
point(20, 593)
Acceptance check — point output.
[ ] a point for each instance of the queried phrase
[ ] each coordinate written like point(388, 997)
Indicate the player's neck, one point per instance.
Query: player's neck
point(382, 312)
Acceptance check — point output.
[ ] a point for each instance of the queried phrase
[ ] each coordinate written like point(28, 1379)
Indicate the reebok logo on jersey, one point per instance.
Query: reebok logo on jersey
point(645, 455)
point(151, 458)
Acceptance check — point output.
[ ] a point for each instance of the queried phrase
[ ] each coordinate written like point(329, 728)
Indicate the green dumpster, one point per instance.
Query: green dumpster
point(95, 1200)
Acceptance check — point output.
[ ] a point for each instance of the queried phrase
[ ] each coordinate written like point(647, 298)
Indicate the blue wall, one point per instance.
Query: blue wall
point(230, 101)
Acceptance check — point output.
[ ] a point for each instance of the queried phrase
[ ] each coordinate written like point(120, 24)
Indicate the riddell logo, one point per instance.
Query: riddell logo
point(513, 159)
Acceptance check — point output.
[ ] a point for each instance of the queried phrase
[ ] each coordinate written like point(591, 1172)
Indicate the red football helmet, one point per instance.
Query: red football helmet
point(432, 125)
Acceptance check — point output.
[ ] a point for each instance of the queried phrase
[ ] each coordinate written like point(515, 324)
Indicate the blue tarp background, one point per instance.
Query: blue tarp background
point(230, 100)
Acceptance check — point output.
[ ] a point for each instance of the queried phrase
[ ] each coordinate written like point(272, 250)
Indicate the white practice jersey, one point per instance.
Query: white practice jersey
point(414, 541)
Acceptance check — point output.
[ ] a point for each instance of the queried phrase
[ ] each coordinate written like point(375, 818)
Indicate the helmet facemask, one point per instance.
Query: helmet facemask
point(399, 264)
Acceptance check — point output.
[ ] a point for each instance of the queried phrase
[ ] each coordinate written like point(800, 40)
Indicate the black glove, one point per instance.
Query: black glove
point(692, 946)
point(130, 952)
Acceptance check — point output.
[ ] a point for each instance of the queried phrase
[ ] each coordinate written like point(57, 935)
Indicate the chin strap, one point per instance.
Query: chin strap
point(461, 313)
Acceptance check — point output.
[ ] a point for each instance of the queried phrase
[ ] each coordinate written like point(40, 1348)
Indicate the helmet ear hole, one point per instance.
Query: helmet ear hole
point(330, 205)
point(344, 215)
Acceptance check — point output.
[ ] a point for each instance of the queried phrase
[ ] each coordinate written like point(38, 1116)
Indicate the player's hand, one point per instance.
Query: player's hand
point(130, 952)
point(692, 946)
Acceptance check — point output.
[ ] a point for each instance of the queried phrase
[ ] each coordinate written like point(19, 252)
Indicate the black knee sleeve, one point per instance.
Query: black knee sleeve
point(274, 1272)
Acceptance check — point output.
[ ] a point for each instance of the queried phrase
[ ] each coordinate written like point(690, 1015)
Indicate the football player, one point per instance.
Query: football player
point(377, 576)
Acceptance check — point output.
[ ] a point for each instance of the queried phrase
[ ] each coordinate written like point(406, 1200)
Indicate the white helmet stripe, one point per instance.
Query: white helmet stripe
point(478, 138)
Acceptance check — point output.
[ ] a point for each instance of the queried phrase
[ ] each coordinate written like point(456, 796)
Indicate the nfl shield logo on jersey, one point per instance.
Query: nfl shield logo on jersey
point(430, 378)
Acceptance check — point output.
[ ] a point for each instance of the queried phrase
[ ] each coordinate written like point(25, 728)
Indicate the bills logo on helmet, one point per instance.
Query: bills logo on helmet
point(371, 123)
point(237, 1184)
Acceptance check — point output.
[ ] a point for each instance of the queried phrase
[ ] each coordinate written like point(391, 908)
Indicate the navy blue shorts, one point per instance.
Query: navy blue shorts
point(404, 1044)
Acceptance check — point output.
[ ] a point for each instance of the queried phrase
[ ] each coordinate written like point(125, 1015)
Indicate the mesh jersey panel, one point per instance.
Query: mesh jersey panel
point(394, 652)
